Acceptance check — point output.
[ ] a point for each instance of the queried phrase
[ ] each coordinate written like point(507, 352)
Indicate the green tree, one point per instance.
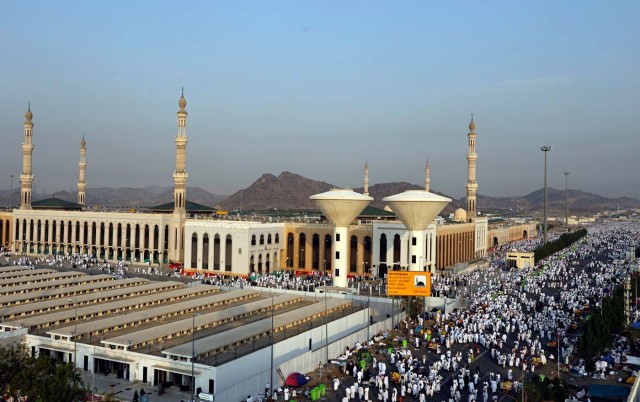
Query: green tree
point(39, 378)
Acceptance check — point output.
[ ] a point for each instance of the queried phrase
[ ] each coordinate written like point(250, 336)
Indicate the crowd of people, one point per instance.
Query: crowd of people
point(521, 319)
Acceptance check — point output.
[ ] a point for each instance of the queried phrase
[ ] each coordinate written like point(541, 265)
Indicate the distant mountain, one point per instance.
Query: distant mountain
point(292, 191)
point(286, 191)
point(124, 196)
point(579, 202)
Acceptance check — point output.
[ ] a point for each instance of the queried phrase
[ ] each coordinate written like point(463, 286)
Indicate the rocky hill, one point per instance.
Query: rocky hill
point(286, 191)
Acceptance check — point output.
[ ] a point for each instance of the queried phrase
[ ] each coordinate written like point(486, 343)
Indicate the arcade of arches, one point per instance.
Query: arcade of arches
point(109, 236)
point(309, 247)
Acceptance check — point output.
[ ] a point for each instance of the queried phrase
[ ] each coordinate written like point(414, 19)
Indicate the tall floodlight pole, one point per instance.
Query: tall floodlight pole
point(545, 149)
point(193, 355)
point(566, 199)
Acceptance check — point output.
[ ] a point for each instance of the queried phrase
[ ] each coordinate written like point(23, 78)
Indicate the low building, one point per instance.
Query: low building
point(520, 259)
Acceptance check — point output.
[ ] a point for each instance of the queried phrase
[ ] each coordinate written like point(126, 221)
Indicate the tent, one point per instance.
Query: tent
point(636, 325)
point(364, 354)
point(295, 380)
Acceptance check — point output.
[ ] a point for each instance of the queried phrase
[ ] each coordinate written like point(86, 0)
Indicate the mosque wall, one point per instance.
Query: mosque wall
point(110, 236)
point(6, 229)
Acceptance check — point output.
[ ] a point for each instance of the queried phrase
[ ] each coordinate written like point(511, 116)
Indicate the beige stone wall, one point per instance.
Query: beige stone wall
point(455, 243)
point(6, 229)
point(501, 234)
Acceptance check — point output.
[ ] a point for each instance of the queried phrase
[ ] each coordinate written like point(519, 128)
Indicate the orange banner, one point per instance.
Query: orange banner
point(407, 283)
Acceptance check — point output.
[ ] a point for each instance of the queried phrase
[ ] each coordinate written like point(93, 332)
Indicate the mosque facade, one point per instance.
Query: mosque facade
point(184, 232)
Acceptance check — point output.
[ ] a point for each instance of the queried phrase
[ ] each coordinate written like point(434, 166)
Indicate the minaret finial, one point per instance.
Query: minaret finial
point(183, 94)
point(29, 106)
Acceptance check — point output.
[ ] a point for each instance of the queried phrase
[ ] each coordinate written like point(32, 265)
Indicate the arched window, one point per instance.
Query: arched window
point(194, 250)
point(253, 240)
point(261, 239)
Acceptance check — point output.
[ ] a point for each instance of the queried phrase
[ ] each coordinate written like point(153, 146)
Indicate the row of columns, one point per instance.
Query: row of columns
point(5, 232)
point(295, 248)
point(453, 248)
point(44, 235)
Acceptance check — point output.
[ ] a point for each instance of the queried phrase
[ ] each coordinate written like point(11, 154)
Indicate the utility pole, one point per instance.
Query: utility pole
point(545, 149)
point(566, 199)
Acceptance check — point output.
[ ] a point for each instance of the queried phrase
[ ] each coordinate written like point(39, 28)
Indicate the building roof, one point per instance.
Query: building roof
point(373, 211)
point(190, 206)
point(56, 203)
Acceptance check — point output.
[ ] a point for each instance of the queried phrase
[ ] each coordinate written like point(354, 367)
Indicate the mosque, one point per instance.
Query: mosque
point(186, 232)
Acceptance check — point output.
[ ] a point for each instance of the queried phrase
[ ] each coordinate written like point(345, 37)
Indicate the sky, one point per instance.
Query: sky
point(319, 87)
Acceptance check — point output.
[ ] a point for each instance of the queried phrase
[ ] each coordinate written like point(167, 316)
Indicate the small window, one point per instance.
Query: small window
point(337, 236)
point(413, 258)
point(337, 255)
point(414, 241)
point(337, 271)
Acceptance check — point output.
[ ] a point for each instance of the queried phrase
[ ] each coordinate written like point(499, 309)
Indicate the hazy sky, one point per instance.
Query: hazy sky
point(318, 87)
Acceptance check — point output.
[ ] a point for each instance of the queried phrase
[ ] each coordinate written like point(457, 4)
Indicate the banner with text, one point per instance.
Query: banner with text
point(407, 283)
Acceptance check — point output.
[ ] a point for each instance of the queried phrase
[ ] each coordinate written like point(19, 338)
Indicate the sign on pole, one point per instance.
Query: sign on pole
point(408, 283)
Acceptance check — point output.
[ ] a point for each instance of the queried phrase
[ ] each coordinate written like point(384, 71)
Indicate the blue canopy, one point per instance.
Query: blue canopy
point(608, 391)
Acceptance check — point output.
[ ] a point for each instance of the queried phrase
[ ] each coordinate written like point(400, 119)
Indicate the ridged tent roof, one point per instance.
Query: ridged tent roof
point(190, 206)
point(56, 203)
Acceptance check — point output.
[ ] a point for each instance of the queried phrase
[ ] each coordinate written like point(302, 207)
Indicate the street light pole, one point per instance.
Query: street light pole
point(566, 199)
point(272, 338)
point(193, 356)
point(545, 149)
point(75, 330)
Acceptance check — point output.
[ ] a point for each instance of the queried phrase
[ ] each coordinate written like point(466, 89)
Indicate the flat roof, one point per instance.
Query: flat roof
point(133, 318)
point(13, 268)
point(54, 284)
point(250, 330)
point(43, 277)
point(25, 272)
point(185, 326)
point(74, 290)
point(102, 309)
point(59, 303)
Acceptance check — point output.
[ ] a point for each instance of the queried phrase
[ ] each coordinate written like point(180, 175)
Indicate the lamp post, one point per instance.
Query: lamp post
point(545, 149)
point(11, 192)
point(75, 329)
point(272, 338)
point(193, 355)
point(566, 199)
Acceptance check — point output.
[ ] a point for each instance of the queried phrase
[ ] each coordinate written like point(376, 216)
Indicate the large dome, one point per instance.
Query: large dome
point(460, 215)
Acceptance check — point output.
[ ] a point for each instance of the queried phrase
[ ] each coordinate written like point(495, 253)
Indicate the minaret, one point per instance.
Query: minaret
point(82, 185)
point(180, 185)
point(427, 179)
point(366, 178)
point(472, 184)
point(26, 177)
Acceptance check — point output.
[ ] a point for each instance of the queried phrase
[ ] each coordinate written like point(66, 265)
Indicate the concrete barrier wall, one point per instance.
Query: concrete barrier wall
point(293, 355)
